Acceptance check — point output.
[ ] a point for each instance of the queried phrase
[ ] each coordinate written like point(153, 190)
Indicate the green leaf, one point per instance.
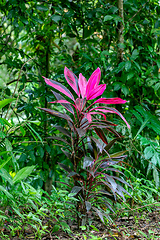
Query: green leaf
point(128, 65)
point(33, 131)
point(4, 102)
point(6, 192)
point(135, 54)
point(18, 213)
point(144, 141)
point(137, 66)
point(8, 145)
point(150, 48)
point(130, 75)
point(155, 159)
point(6, 175)
point(3, 164)
point(107, 18)
point(156, 177)
point(157, 86)
point(41, 151)
point(23, 131)
point(31, 154)
point(125, 90)
point(148, 152)
point(23, 173)
point(35, 19)
point(137, 115)
point(2, 135)
point(42, 8)
point(4, 122)
point(56, 18)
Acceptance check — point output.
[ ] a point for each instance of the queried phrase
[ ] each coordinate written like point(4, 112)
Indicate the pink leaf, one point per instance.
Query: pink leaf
point(110, 110)
point(59, 87)
point(110, 101)
point(94, 113)
point(88, 116)
point(72, 80)
point(95, 92)
point(93, 80)
point(82, 85)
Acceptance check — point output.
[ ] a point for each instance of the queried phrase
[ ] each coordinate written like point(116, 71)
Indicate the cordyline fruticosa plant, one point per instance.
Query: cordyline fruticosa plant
point(92, 167)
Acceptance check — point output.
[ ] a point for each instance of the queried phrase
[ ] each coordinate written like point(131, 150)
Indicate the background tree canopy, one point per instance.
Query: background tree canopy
point(40, 38)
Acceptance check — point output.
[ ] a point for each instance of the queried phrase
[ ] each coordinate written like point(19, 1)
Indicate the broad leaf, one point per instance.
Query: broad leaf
point(10, 196)
point(23, 173)
point(81, 132)
point(88, 206)
point(76, 189)
point(63, 130)
point(66, 105)
point(59, 87)
point(99, 213)
point(4, 102)
point(72, 80)
point(65, 167)
point(58, 114)
point(87, 161)
point(101, 134)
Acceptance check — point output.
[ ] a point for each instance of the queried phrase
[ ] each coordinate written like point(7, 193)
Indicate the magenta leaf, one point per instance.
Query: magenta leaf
point(93, 80)
point(95, 92)
point(111, 143)
point(121, 180)
point(82, 85)
point(84, 123)
point(72, 80)
point(110, 101)
point(59, 87)
point(109, 110)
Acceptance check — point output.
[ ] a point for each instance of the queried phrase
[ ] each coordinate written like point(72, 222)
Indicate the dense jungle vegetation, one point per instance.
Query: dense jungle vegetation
point(72, 167)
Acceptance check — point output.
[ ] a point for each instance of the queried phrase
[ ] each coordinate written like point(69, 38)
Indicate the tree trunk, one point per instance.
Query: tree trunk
point(120, 31)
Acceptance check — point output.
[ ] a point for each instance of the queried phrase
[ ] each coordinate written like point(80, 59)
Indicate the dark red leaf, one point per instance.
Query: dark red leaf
point(66, 105)
point(88, 205)
point(76, 189)
point(63, 130)
point(100, 133)
point(81, 132)
point(58, 114)
point(65, 167)
point(87, 161)
point(60, 139)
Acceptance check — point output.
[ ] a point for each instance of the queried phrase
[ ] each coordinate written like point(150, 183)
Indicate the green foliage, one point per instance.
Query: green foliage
point(39, 39)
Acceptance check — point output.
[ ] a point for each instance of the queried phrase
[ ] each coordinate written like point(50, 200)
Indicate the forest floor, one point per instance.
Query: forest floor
point(140, 225)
